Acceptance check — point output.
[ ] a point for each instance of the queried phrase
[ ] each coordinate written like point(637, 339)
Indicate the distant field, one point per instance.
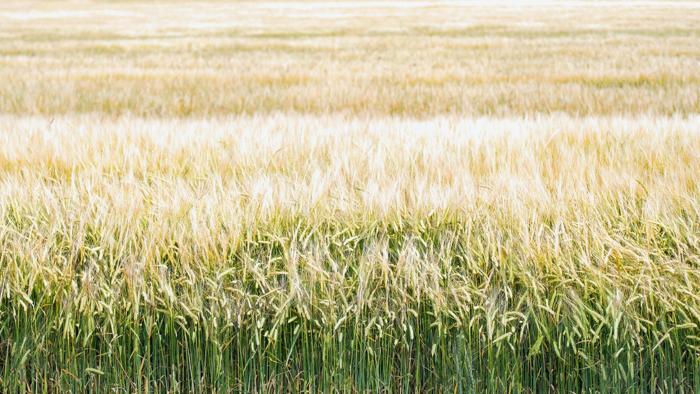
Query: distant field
point(349, 197)
point(393, 58)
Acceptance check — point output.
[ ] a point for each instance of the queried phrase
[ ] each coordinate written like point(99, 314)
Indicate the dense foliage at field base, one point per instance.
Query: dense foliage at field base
point(157, 354)
point(502, 342)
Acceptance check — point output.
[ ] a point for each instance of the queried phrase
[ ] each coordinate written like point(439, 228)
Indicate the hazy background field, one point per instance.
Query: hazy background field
point(349, 196)
point(387, 58)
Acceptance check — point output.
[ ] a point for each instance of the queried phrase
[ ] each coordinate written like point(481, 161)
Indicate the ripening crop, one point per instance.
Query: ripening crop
point(349, 197)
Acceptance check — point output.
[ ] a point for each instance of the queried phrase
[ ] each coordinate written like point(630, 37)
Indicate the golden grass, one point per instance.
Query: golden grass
point(511, 230)
point(348, 196)
point(572, 187)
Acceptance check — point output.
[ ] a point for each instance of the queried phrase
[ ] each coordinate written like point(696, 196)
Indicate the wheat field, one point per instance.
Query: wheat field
point(349, 196)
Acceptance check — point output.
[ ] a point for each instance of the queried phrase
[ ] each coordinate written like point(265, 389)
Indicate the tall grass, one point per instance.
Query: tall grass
point(289, 252)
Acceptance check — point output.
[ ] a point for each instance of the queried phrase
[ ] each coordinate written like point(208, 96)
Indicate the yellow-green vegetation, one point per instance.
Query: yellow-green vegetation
point(349, 197)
